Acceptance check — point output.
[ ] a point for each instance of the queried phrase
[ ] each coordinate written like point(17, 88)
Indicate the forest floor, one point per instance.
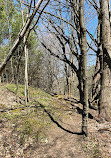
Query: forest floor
point(48, 127)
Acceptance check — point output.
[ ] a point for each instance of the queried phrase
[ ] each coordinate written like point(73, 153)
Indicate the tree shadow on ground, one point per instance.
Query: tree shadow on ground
point(80, 111)
point(74, 101)
point(54, 121)
point(49, 145)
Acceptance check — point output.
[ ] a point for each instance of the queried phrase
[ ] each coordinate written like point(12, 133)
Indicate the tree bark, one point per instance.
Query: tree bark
point(26, 59)
point(26, 75)
point(67, 80)
point(83, 47)
point(96, 85)
point(80, 78)
point(105, 98)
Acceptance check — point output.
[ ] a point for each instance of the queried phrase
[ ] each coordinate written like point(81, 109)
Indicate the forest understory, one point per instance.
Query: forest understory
point(55, 79)
point(48, 127)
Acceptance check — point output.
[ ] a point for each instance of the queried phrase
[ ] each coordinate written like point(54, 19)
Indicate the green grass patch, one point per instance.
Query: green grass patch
point(32, 121)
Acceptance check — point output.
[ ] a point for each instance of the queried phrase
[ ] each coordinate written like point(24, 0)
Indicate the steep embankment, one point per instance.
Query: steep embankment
point(48, 127)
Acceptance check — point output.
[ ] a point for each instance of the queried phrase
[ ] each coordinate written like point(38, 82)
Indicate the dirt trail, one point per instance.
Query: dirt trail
point(63, 138)
point(61, 143)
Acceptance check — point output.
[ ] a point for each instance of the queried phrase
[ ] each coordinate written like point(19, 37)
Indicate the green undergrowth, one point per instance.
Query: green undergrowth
point(35, 94)
point(32, 121)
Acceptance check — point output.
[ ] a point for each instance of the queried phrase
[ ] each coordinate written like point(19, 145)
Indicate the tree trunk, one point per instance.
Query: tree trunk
point(96, 85)
point(26, 59)
point(83, 47)
point(80, 79)
point(26, 75)
point(0, 79)
point(105, 99)
point(17, 75)
point(67, 80)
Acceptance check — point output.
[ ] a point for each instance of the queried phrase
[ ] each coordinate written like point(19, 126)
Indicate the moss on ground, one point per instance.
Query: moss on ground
point(32, 121)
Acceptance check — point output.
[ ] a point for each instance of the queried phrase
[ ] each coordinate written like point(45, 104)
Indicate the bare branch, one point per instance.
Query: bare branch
point(20, 36)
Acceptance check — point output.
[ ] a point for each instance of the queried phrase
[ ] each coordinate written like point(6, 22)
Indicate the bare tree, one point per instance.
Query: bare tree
point(80, 54)
point(21, 34)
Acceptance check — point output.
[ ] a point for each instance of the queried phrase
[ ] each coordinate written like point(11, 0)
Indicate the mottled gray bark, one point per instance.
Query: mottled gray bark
point(105, 98)
point(96, 86)
point(83, 47)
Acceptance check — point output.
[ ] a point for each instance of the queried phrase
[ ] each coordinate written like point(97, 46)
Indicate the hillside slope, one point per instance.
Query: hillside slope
point(48, 127)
